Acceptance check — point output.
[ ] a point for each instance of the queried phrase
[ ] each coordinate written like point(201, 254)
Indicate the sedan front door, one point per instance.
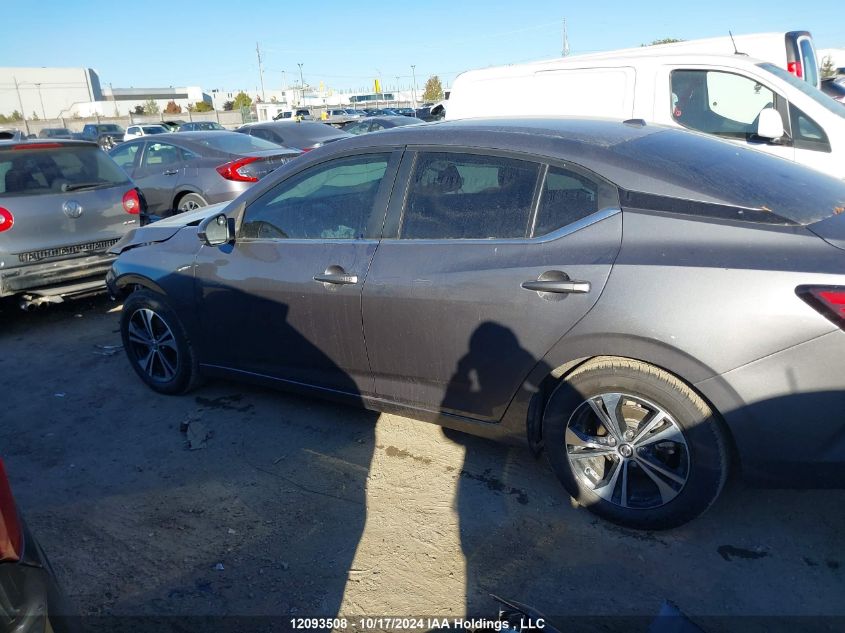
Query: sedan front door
point(160, 170)
point(284, 301)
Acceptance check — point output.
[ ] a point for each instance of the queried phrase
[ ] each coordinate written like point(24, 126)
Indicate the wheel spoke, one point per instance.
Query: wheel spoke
point(169, 370)
point(610, 419)
point(167, 340)
point(667, 493)
point(648, 463)
point(137, 335)
point(147, 362)
point(147, 316)
point(670, 433)
point(605, 490)
point(624, 500)
point(581, 445)
point(648, 425)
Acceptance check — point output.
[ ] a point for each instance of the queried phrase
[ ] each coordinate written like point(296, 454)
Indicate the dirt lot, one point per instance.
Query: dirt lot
point(295, 507)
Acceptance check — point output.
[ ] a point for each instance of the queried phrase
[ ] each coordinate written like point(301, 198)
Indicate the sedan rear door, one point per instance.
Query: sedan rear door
point(161, 168)
point(488, 260)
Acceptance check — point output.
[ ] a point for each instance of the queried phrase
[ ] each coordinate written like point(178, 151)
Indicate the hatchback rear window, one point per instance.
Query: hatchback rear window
point(42, 171)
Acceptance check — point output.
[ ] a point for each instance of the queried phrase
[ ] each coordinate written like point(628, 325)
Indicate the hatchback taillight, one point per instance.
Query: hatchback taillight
point(828, 300)
point(11, 535)
point(239, 170)
point(131, 202)
point(796, 69)
point(7, 220)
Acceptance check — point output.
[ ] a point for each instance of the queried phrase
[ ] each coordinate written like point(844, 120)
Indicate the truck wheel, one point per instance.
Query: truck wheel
point(634, 444)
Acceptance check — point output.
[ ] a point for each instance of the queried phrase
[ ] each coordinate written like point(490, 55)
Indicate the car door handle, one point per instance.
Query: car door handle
point(336, 278)
point(171, 172)
point(566, 286)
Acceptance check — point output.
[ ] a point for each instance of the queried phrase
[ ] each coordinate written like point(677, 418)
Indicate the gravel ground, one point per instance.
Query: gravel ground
point(291, 507)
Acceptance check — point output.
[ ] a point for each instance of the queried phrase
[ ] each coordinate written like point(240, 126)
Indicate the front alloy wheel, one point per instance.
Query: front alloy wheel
point(153, 345)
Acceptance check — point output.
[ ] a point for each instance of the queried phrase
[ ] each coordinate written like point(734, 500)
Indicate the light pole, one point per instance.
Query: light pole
point(396, 96)
point(41, 99)
point(414, 88)
point(301, 85)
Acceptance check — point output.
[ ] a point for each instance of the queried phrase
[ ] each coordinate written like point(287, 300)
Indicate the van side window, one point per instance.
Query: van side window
point(469, 196)
point(719, 103)
point(567, 197)
point(806, 133)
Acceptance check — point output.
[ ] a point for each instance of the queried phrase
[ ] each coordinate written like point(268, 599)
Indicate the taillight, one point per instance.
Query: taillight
point(796, 69)
point(11, 537)
point(238, 170)
point(131, 202)
point(827, 300)
point(7, 220)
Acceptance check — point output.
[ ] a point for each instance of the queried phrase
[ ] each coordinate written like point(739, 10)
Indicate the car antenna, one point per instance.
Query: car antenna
point(736, 51)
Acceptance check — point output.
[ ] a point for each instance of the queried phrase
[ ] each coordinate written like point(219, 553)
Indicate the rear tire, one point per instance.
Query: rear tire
point(634, 444)
point(157, 345)
point(191, 202)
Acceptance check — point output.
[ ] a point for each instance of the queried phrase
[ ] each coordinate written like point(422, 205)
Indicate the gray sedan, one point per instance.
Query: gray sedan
point(647, 305)
point(187, 170)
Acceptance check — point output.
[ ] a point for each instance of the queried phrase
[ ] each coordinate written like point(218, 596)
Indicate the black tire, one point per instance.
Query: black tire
point(190, 202)
point(670, 473)
point(167, 364)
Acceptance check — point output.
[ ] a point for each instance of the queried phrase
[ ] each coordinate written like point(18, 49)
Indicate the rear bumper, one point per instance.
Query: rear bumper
point(785, 413)
point(41, 277)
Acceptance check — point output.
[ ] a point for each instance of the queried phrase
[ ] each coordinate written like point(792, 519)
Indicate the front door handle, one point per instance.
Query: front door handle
point(171, 172)
point(558, 286)
point(335, 275)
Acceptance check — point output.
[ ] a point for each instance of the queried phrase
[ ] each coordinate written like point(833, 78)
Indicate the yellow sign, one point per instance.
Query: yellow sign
point(376, 86)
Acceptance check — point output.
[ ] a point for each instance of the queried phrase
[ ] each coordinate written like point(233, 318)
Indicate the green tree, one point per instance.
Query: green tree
point(229, 105)
point(665, 40)
point(139, 109)
point(202, 106)
point(34, 116)
point(16, 116)
point(242, 100)
point(151, 107)
point(827, 68)
point(433, 89)
point(172, 108)
point(4, 118)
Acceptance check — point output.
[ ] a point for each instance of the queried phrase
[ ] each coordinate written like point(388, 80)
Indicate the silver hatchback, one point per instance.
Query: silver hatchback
point(62, 205)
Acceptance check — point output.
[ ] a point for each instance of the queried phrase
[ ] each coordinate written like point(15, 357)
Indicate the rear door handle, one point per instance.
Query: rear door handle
point(335, 275)
point(556, 281)
point(171, 172)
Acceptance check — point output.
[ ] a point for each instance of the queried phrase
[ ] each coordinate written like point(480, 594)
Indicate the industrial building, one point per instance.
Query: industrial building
point(46, 92)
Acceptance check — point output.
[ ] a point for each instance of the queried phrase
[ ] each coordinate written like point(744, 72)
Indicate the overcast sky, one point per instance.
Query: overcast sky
point(347, 44)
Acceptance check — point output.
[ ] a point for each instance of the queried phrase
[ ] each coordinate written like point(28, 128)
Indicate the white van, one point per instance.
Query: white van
point(739, 98)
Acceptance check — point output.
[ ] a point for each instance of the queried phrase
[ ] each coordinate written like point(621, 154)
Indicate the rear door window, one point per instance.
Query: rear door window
point(161, 155)
point(125, 154)
point(469, 196)
point(568, 196)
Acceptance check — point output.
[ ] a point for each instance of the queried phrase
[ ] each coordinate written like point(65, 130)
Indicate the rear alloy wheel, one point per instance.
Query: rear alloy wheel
point(156, 344)
point(634, 444)
point(191, 202)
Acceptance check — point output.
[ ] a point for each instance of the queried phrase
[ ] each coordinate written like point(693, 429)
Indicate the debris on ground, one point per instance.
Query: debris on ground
point(219, 567)
point(198, 433)
point(107, 350)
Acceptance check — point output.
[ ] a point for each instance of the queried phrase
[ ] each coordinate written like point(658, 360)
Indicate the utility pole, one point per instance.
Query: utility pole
point(396, 96)
point(41, 99)
point(301, 85)
point(260, 72)
point(414, 89)
point(20, 103)
point(565, 40)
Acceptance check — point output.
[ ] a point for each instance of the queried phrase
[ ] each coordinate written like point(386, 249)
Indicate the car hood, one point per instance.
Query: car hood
point(163, 230)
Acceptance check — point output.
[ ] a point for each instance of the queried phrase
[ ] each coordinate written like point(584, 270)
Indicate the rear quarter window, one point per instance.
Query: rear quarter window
point(44, 171)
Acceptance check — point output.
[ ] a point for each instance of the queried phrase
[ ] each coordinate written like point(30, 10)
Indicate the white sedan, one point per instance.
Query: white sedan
point(136, 131)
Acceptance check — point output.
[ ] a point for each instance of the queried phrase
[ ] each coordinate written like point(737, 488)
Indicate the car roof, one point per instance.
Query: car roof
point(302, 129)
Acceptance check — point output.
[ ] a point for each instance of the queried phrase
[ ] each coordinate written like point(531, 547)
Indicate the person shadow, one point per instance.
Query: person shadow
point(491, 505)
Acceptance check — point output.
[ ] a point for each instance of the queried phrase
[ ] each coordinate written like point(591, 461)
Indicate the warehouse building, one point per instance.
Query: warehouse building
point(46, 92)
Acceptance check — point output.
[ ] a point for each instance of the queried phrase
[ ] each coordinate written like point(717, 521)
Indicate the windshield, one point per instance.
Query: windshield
point(109, 129)
point(154, 129)
point(235, 143)
point(811, 91)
